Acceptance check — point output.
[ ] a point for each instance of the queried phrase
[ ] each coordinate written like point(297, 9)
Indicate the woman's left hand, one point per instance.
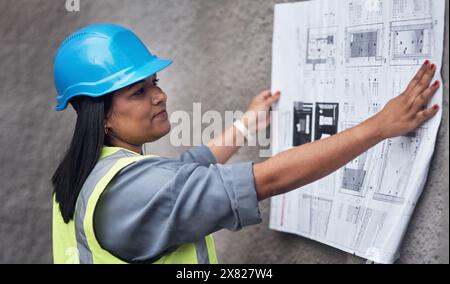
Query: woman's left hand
point(260, 104)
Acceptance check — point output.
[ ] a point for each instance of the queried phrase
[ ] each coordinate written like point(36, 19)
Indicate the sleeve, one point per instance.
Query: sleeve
point(155, 205)
point(199, 154)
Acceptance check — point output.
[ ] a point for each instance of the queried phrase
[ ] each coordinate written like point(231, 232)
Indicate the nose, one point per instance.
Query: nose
point(158, 98)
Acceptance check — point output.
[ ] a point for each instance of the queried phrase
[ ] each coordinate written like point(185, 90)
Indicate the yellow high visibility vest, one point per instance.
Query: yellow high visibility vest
point(76, 242)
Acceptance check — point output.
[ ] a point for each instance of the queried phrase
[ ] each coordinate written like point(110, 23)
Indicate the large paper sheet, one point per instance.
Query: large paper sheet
point(338, 63)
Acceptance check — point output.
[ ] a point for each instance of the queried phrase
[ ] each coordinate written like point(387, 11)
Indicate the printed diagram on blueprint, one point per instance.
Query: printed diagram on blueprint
point(337, 63)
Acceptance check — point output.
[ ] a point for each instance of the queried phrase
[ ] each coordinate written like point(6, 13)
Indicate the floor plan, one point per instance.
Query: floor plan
point(337, 64)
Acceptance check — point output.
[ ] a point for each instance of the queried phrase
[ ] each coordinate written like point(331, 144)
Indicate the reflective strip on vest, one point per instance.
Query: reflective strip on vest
point(76, 242)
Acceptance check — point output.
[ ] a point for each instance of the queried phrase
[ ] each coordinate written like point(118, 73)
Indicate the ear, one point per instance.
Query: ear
point(108, 123)
point(108, 120)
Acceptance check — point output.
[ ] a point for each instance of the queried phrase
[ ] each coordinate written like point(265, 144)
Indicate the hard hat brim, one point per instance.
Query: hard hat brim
point(116, 82)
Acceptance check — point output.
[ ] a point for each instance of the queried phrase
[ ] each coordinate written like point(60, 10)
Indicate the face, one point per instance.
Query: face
point(138, 113)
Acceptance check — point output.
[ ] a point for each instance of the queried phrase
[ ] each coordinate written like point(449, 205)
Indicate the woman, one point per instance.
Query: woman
point(114, 205)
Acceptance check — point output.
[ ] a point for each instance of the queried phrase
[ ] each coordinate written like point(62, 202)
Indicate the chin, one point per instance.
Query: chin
point(162, 131)
point(168, 128)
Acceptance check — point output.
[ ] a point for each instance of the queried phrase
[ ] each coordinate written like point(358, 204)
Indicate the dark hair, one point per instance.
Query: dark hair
point(83, 153)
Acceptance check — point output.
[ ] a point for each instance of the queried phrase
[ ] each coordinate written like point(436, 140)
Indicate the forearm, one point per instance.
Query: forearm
point(307, 163)
point(226, 145)
point(302, 165)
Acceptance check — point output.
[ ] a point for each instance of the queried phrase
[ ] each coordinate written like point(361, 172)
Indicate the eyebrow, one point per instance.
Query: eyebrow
point(134, 84)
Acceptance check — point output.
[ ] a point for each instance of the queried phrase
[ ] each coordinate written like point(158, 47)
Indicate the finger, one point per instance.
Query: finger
point(273, 99)
point(418, 76)
point(426, 96)
point(426, 79)
point(425, 115)
point(266, 94)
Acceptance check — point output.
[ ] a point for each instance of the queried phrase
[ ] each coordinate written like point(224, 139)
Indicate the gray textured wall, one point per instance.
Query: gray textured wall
point(222, 53)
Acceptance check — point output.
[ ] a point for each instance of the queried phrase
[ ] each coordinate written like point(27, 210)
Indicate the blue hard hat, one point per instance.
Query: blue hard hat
point(101, 59)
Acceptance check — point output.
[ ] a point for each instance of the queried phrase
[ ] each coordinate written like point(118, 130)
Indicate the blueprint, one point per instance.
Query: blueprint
point(337, 63)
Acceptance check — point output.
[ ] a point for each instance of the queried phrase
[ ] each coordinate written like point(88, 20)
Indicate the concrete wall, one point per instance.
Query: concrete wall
point(222, 53)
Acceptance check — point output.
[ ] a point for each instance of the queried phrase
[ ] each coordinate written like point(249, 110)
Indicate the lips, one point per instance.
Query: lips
point(160, 113)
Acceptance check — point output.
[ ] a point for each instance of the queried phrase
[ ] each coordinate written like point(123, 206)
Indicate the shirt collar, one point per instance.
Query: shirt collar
point(108, 151)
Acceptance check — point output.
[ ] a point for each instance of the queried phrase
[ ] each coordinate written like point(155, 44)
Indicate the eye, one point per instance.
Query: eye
point(155, 82)
point(140, 92)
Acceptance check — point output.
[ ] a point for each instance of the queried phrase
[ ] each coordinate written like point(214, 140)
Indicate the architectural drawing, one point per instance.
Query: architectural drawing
point(365, 11)
point(339, 63)
point(364, 45)
point(303, 118)
point(362, 93)
point(314, 121)
point(398, 155)
point(354, 174)
point(362, 223)
point(411, 42)
point(314, 214)
point(406, 9)
point(284, 118)
point(321, 48)
point(327, 119)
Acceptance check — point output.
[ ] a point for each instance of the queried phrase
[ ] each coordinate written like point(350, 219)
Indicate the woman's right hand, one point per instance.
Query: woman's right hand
point(408, 111)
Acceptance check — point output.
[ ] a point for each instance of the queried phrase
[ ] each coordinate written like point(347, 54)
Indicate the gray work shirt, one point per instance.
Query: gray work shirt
point(157, 204)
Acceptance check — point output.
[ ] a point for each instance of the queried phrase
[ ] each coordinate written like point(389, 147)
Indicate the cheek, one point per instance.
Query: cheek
point(132, 121)
point(142, 121)
point(136, 124)
point(145, 126)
